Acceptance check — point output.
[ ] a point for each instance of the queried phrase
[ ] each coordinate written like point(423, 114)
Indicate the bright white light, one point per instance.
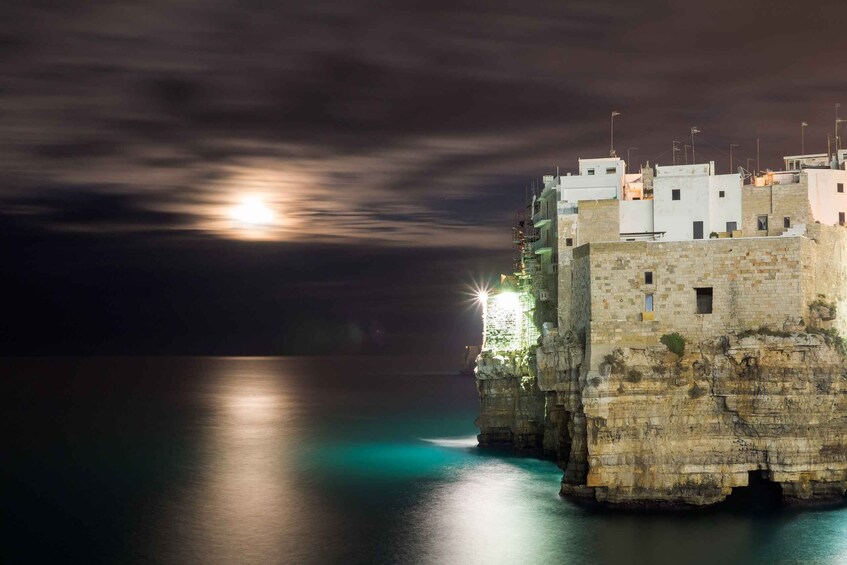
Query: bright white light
point(508, 300)
point(482, 296)
point(252, 212)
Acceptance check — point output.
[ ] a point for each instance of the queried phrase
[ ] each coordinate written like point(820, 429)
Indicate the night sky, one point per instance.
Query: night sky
point(393, 142)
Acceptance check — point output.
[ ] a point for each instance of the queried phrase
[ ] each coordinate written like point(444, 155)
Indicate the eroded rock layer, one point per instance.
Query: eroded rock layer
point(650, 427)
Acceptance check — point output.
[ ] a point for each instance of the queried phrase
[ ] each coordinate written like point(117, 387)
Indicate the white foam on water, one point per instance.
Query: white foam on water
point(455, 442)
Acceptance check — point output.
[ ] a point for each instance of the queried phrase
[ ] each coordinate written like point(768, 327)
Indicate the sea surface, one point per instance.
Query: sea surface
point(315, 460)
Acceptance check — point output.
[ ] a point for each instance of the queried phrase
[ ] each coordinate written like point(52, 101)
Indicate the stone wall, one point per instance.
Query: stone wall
point(508, 324)
point(755, 282)
point(826, 268)
point(599, 220)
point(567, 232)
point(580, 313)
point(777, 202)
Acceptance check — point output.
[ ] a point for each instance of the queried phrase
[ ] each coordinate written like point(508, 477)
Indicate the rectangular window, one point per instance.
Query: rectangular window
point(786, 222)
point(698, 230)
point(762, 223)
point(731, 227)
point(648, 302)
point(721, 194)
point(840, 187)
point(611, 170)
point(675, 194)
point(569, 241)
point(590, 171)
point(841, 218)
point(704, 300)
point(648, 277)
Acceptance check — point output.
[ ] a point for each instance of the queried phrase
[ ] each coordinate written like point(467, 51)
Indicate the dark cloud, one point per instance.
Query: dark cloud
point(380, 132)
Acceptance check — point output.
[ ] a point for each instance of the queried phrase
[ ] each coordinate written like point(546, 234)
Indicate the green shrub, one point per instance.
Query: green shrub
point(831, 337)
point(674, 342)
point(634, 376)
point(615, 362)
point(821, 304)
point(764, 330)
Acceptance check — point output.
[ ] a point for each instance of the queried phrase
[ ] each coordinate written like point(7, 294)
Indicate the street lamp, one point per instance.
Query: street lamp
point(803, 126)
point(693, 131)
point(612, 140)
point(837, 139)
point(731, 145)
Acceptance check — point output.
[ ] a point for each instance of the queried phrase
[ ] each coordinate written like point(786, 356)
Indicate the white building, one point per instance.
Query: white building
point(691, 202)
point(598, 179)
point(687, 201)
point(827, 196)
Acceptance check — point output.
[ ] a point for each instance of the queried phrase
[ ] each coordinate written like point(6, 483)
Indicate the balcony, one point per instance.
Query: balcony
point(541, 247)
point(540, 221)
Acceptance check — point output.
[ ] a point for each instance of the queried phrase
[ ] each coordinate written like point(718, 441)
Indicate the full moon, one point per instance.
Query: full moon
point(252, 212)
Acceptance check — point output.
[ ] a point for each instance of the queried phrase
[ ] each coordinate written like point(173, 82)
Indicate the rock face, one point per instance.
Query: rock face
point(512, 406)
point(654, 428)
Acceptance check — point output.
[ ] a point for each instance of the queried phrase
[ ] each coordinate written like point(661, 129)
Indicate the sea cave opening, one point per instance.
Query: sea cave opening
point(761, 494)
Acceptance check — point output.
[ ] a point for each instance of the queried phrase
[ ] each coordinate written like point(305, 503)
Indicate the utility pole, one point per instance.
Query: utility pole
point(612, 132)
point(837, 142)
point(758, 168)
point(675, 151)
point(803, 138)
point(627, 153)
point(731, 145)
point(693, 131)
point(686, 146)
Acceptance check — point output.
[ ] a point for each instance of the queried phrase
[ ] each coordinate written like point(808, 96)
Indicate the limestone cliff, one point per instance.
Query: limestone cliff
point(651, 427)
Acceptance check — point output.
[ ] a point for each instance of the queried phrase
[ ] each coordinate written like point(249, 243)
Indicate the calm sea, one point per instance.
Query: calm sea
point(306, 460)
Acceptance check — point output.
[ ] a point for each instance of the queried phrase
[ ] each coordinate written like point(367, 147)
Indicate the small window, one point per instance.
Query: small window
point(589, 172)
point(841, 218)
point(698, 230)
point(731, 227)
point(840, 187)
point(569, 241)
point(611, 170)
point(762, 223)
point(648, 277)
point(721, 194)
point(704, 300)
point(786, 222)
point(648, 302)
point(675, 194)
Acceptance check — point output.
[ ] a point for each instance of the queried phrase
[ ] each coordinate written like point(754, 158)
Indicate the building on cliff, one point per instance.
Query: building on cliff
point(693, 336)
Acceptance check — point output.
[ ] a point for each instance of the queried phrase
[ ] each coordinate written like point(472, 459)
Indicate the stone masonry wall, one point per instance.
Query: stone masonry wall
point(755, 282)
point(599, 220)
point(777, 202)
point(827, 269)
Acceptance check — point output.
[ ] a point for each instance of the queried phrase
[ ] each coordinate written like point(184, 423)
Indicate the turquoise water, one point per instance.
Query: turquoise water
point(298, 460)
